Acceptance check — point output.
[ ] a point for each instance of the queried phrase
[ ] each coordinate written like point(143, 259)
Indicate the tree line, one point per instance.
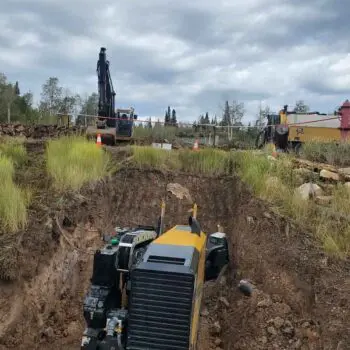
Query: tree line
point(16, 106)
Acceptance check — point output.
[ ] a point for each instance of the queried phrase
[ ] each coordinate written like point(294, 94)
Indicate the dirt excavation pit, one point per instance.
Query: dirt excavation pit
point(300, 299)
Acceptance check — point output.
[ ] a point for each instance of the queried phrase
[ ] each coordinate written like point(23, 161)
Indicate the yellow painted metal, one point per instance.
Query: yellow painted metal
point(283, 118)
point(311, 133)
point(180, 237)
point(198, 296)
point(194, 210)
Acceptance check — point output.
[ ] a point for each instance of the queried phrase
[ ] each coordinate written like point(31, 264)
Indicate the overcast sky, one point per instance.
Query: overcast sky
point(191, 55)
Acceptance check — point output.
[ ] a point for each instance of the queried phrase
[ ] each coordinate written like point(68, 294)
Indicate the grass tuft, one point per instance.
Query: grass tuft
point(13, 199)
point(146, 157)
point(205, 161)
point(337, 154)
point(14, 149)
point(73, 161)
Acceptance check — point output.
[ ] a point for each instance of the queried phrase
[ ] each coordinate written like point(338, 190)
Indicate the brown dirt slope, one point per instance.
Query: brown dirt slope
point(300, 299)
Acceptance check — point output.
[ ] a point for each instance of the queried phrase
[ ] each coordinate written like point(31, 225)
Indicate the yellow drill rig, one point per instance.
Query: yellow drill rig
point(146, 287)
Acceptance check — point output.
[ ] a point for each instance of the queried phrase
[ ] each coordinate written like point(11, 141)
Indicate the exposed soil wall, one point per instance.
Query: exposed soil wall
point(300, 299)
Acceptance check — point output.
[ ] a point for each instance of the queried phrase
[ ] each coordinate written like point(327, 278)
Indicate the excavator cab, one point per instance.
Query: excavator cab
point(151, 298)
point(125, 122)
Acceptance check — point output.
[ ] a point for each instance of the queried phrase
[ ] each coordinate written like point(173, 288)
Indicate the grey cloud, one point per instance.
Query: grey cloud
point(258, 35)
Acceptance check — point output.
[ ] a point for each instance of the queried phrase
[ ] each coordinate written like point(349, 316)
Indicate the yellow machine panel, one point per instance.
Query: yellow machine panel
point(179, 235)
point(310, 133)
point(193, 247)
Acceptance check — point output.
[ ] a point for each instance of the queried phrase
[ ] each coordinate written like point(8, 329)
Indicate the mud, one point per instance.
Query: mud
point(300, 300)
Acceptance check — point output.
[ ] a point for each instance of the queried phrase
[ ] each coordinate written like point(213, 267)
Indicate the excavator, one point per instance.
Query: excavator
point(112, 124)
point(146, 286)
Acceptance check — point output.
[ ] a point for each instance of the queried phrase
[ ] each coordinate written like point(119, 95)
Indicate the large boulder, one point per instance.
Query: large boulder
point(308, 190)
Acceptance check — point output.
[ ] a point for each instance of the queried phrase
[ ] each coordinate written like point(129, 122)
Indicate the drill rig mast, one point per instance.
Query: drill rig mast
point(111, 124)
point(106, 93)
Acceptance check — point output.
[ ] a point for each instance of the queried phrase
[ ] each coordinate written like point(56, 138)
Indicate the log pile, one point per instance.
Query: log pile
point(38, 131)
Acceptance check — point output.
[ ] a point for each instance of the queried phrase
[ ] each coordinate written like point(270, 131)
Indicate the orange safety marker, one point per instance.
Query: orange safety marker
point(196, 145)
point(99, 140)
point(274, 151)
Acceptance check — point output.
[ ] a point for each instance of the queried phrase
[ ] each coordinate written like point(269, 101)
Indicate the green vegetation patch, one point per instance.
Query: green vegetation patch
point(334, 153)
point(275, 181)
point(73, 161)
point(205, 161)
point(13, 148)
point(13, 199)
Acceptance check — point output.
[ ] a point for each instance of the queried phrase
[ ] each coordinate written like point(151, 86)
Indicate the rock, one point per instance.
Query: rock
point(224, 301)
point(324, 200)
point(278, 322)
point(48, 332)
point(216, 329)
point(308, 190)
point(288, 323)
point(305, 324)
point(326, 174)
point(345, 171)
point(297, 344)
point(217, 341)
point(179, 191)
point(245, 287)
point(250, 220)
point(288, 331)
point(282, 308)
point(223, 281)
point(267, 215)
point(263, 339)
point(205, 312)
point(271, 330)
point(264, 303)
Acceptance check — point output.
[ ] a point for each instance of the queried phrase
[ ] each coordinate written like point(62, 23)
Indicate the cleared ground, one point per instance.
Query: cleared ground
point(301, 297)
